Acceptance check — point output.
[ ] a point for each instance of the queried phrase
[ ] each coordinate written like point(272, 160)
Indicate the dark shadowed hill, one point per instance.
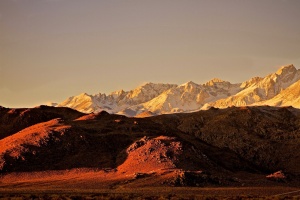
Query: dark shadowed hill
point(219, 143)
point(14, 120)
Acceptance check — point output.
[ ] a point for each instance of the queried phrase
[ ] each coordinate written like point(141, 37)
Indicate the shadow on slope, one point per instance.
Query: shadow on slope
point(223, 142)
point(14, 120)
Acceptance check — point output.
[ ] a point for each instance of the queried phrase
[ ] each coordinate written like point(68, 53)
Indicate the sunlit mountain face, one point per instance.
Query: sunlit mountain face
point(276, 89)
point(131, 99)
point(216, 134)
point(216, 147)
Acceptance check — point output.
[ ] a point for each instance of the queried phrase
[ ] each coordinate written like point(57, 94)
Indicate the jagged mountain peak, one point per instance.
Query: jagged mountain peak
point(251, 82)
point(146, 87)
point(288, 97)
point(118, 93)
point(213, 81)
point(189, 84)
point(151, 84)
point(160, 98)
point(287, 69)
point(84, 94)
point(283, 77)
point(147, 84)
point(260, 89)
point(150, 90)
point(116, 101)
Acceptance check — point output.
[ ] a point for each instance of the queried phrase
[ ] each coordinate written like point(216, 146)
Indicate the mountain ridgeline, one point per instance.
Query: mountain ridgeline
point(277, 89)
point(241, 142)
point(217, 133)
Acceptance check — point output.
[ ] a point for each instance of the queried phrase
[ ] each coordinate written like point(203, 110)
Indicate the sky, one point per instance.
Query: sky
point(53, 49)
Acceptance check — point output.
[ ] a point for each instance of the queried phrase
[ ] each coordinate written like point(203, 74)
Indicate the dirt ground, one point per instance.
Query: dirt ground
point(154, 193)
point(92, 184)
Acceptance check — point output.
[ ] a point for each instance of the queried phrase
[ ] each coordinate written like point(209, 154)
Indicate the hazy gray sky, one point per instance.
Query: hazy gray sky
point(53, 49)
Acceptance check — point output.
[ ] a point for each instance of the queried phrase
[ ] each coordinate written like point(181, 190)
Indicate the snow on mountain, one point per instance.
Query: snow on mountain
point(186, 97)
point(276, 89)
point(82, 103)
point(288, 97)
point(117, 100)
point(260, 89)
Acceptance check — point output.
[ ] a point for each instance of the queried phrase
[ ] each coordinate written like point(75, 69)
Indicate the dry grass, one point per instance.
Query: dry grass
point(155, 194)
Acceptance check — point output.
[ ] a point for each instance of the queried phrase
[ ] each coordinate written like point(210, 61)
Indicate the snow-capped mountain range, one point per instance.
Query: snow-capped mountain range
point(281, 88)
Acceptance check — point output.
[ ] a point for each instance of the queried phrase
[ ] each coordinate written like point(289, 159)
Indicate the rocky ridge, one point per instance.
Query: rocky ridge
point(258, 89)
point(231, 146)
point(189, 97)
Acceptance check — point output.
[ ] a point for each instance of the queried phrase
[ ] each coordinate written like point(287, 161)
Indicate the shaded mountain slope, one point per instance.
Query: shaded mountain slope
point(288, 97)
point(14, 120)
point(222, 142)
point(266, 137)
